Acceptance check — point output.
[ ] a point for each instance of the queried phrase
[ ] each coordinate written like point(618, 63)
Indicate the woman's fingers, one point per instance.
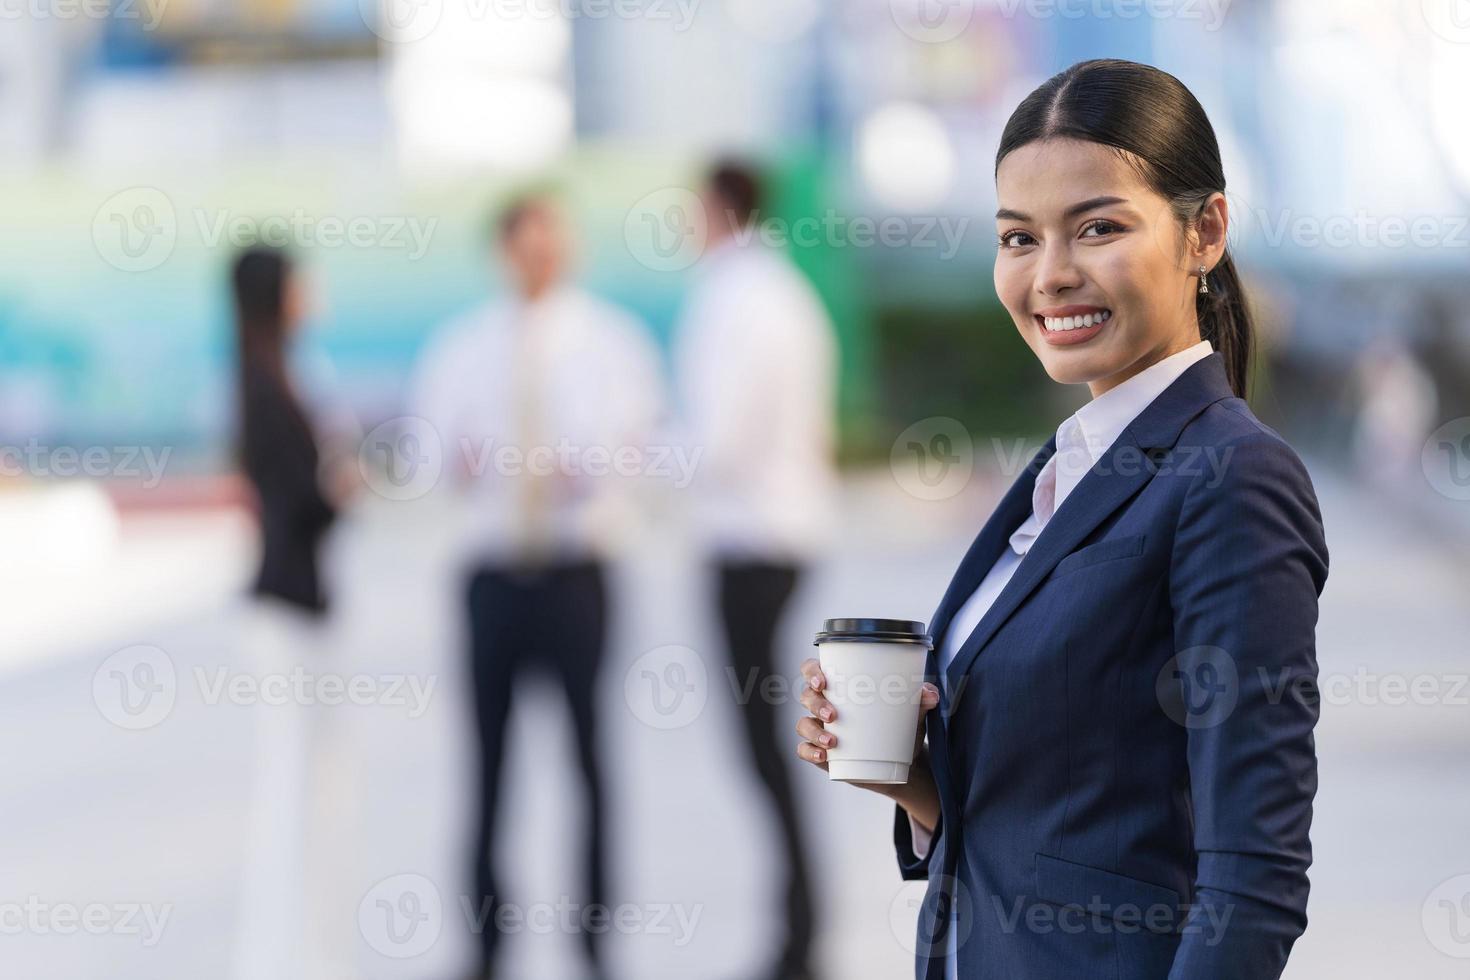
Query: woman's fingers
point(815, 739)
point(816, 681)
point(817, 704)
point(811, 670)
point(814, 754)
point(928, 699)
point(811, 730)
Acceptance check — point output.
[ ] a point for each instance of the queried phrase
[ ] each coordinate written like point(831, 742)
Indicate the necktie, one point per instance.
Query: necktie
point(533, 528)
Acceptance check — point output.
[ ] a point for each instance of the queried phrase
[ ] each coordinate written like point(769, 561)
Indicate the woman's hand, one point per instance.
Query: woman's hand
point(918, 796)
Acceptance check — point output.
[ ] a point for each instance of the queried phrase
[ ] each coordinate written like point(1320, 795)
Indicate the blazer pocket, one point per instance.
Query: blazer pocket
point(1108, 550)
point(1127, 901)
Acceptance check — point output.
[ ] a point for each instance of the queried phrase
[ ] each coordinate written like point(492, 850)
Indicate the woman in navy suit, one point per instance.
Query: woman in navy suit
point(1118, 782)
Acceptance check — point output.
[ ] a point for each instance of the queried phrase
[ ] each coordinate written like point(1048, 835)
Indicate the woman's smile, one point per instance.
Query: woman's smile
point(1063, 326)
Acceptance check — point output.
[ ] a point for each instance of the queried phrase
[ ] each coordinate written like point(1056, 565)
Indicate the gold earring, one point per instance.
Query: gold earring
point(1204, 287)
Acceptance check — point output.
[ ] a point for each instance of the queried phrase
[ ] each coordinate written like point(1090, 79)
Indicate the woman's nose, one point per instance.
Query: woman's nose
point(1057, 272)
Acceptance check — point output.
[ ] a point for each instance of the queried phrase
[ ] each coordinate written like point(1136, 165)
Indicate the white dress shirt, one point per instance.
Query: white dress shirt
point(1082, 439)
point(756, 359)
point(570, 378)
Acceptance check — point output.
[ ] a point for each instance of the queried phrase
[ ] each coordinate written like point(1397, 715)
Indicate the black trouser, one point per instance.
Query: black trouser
point(752, 597)
point(551, 619)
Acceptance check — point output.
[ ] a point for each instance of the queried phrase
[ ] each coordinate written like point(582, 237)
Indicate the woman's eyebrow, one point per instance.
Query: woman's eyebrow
point(1081, 207)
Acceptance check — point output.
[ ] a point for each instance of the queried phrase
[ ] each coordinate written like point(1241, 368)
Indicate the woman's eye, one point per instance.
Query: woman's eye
point(1101, 227)
point(1015, 239)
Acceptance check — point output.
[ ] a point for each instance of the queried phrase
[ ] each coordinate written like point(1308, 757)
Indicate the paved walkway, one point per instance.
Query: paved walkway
point(152, 820)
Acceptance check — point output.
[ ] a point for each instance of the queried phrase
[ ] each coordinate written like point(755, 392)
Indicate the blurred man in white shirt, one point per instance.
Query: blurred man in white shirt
point(542, 403)
point(756, 362)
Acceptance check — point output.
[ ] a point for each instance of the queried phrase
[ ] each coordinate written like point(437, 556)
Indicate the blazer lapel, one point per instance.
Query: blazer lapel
point(988, 544)
point(1121, 472)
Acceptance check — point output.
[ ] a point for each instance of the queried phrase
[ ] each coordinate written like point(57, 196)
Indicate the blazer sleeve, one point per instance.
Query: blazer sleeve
point(910, 866)
point(1248, 565)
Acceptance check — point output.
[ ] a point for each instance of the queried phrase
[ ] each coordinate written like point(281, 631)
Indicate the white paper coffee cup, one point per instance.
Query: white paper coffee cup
point(875, 676)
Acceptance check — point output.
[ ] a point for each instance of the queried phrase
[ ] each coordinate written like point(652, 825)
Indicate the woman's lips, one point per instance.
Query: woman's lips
point(1077, 335)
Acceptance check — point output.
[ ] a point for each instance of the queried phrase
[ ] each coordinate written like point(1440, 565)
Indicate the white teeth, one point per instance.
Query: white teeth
point(1076, 322)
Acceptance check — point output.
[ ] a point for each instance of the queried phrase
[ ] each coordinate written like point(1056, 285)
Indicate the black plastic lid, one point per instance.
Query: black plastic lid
point(881, 630)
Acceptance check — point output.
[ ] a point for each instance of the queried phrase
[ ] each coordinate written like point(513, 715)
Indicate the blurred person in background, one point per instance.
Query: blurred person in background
point(563, 380)
point(1126, 656)
point(1397, 407)
point(756, 363)
point(294, 922)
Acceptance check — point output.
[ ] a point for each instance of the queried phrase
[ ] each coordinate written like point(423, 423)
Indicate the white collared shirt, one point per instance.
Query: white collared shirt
point(1082, 439)
point(598, 391)
point(756, 360)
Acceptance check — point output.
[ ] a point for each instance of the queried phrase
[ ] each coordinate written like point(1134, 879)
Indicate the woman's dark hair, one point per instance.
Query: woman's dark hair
point(259, 282)
point(1165, 135)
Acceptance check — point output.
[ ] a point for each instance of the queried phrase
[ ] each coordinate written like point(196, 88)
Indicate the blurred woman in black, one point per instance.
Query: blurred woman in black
point(277, 447)
point(293, 921)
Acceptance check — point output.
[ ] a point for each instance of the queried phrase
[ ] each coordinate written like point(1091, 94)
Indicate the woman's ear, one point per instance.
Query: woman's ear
point(1210, 230)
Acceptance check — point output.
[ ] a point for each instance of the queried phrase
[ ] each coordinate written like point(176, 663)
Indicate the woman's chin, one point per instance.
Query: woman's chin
point(1071, 369)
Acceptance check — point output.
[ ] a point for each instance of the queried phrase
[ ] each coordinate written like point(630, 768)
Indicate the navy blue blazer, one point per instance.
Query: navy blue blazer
point(1124, 750)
